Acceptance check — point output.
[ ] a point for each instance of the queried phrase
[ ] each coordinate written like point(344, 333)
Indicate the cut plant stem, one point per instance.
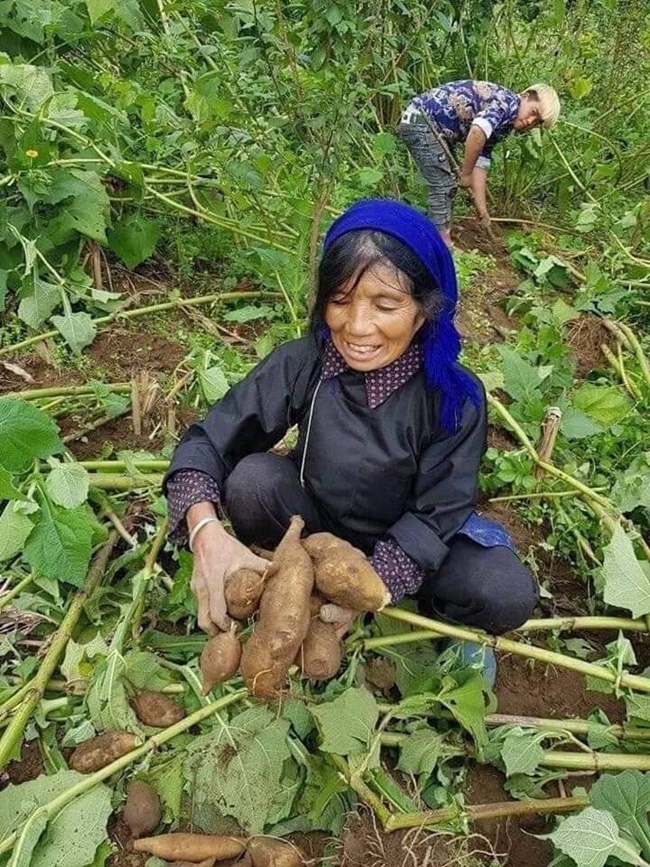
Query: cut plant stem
point(142, 581)
point(14, 591)
point(119, 466)
point(50, 809)
point(114, 482)
point(476, 812)
point(575, 726)
point(144, 311)
point(506, 645)
point(36, 688)
point(69, 391)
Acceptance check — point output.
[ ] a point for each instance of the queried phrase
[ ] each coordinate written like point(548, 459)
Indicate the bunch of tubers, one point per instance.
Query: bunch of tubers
point(205, 850)
point(294, 599)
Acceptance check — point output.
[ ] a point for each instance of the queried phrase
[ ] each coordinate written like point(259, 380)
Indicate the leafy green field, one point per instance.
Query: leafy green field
point(169, 168)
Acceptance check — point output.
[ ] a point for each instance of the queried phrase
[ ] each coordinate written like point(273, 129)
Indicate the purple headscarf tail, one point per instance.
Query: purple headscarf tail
point(440, 339)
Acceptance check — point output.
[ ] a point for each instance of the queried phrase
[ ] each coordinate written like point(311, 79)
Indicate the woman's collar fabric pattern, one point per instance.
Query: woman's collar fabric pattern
point(381, 383)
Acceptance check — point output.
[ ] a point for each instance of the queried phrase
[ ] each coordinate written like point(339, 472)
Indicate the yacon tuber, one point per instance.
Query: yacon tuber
point(244, 589)
point(220, 659)
point(271, 852)
point(96, 753)
point(344, 575)
point(190, 847)
point(157, 709)
point(320, 655)
point(284, 617)
point(142, 811)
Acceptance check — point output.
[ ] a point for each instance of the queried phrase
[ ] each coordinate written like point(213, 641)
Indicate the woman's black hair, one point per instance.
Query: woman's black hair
point(348, 259)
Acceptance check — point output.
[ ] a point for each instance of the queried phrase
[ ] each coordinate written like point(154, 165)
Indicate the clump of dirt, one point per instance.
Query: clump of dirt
point(124, 352)
point(498, 438)
point(530, 688)
point(363, 843)
point(468, 234)
point(27, 767)
point(585, 335)
point(40, 366)
point(511, 835)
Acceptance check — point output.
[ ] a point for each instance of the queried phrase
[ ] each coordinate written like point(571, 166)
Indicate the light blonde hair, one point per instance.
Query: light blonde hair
point(549, 103)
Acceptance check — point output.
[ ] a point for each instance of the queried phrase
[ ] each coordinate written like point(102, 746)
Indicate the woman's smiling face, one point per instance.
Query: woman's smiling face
point(373, 319)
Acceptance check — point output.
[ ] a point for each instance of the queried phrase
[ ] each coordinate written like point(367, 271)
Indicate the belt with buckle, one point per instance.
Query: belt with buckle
point(413, 116)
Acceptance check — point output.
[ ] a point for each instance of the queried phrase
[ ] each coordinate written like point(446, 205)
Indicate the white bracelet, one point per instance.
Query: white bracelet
point(201, 524)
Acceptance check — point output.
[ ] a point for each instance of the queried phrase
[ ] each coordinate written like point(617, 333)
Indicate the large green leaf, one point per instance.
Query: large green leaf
point(520, 378)
point(626, 584)
point(522, 751)
point(26, 433)
point(237, 769)
point(77, 329)
point(347, 723)
point(134, 239)
point(605, 404)
point(591, 837)
point(59, 546)
point(67, 484)
point(632, 488)
point(422, 751)
point(8, 491)
point(15, 527)
point(627, 797)
point(28, 85)
point(75, 833)
point(37, 307)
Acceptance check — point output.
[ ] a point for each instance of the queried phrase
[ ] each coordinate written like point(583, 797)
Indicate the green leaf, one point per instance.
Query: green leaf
point(77, 329)
point(15, 527)
point(248, 313)
point(626, 584)
point(8, 491)
point(167, 779)
point(107, 699)
point(590, 838)
point(134, 239)
point(632, 488)
point(468, 704)
point(606, 405)
point(520, 379)
point(73, 836)
point(67, 484)
point(237, 768)
point(26, 433)
point(60, 544)
point(29, 85)
point(125, 10)
point(577, 425)
point(627, 797)
point(144, 671)
point(78, 665)
point(37, 307)
point(422, 750)
point(522, 751)
point(347, 723)
point(213, 383)
point(88, 210)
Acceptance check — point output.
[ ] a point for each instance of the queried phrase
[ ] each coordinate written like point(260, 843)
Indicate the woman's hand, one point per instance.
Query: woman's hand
point(217, 555)
point(341, 618)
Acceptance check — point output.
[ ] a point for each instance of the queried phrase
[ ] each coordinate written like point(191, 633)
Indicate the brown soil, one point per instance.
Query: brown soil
point(363, 844)
point(485, 786)
point(529, 688)
point(28, 767)
point(585, 335)
point(500, 439)
point(468, 234)
point(124, 352)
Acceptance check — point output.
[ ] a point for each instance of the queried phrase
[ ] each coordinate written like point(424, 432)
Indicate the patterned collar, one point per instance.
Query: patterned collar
point(380, 384)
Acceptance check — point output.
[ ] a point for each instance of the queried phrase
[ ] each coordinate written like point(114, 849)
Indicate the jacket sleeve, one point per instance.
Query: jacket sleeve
point(445, 491)
point(252, 417)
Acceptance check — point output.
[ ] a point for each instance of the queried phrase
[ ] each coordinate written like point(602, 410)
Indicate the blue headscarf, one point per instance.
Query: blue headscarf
point(440, 339)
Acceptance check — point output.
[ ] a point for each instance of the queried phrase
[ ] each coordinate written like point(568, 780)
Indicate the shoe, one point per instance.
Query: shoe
point(477, 656)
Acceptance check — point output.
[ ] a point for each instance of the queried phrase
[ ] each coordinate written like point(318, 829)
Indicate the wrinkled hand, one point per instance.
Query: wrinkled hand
point(465, 180)
point(217, 555)
point(341, 618)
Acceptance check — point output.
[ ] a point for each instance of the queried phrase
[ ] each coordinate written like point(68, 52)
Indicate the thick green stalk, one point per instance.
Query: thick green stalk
point(574, 624)
point(14, 731)
point(360, 788)
point(148, 571)
point(143, 311)
point(506, 645)
point(68, 390)
point(575, 726)
point(49, 810)
point(476, 812)
point(14, 591)
point(114, 482)
point(120, 466)
point(638, 350)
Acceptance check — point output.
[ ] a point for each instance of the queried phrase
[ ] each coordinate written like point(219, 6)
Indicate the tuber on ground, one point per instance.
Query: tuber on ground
point(157, 709)
point(96, 753)
point(220, 659)
point(243, 591)
point(271, 852)
point(344, 575)
point(320, 655)
point(284, 617)
point(142, 811)
point(193, 848)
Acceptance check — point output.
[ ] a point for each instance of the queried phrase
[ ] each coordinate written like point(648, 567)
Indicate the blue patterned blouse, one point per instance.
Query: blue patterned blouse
point(455, 106)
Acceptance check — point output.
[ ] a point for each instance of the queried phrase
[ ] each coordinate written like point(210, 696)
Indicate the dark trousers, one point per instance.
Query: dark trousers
point(489, 588)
